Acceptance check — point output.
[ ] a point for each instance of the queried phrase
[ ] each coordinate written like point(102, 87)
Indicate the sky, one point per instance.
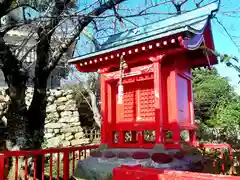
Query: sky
point(222, 41)
point(223, 44)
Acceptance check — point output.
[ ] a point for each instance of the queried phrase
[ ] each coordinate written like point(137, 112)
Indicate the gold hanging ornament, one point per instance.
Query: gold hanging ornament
point(123, 65)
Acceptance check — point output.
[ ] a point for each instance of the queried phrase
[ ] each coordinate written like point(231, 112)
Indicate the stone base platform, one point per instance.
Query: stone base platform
point(101, 163)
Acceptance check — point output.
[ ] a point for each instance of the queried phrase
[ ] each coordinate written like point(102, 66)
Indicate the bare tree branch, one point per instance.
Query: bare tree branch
point(226, 31)
point(150, 7)
point(178, 5)
point(83, 22)
point(198, 3)
point(19, 5)
point(14, 26)
point(45, 33)
point(14, 74)
point(96, 112)
point(93, 105)
point(91, 38)
point(117, 15)
point(58, 9)
point(10, 64)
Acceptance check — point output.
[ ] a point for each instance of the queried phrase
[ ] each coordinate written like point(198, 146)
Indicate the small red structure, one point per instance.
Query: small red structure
point(156, 79)
point(145, 87)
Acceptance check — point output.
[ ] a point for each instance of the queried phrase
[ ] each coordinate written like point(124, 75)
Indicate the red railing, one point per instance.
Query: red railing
point(222, 151)
point(52, 158)
point(58, 163)
point(221, 148)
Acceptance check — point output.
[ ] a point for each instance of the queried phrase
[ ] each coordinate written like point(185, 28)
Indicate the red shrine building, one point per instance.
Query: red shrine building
point(156, 79)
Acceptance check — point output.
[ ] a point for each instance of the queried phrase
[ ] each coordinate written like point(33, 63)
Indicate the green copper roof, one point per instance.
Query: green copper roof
point(193, 21)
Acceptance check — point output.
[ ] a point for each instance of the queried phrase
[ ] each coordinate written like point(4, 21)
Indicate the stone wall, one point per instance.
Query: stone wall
point(62, 124)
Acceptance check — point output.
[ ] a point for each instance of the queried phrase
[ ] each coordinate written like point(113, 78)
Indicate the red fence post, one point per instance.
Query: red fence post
point(39, 159)
point(66, 166)
point(2, 167)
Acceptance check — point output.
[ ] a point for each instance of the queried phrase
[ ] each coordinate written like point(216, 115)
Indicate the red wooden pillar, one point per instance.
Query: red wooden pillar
point(191, 106)
point(2, 167)
point(110, 133)
point(176, 132)
point(173, 125)
point(104, 113)
point(158, 97)
point(192, 132)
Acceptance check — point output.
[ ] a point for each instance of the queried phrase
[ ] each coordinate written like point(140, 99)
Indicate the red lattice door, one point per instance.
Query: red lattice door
point(138, 106)
point(137, 113)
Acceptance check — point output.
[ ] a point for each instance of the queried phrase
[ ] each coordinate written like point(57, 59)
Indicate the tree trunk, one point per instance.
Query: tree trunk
point(36, 115)
point(25, 126)
point(96, 114)
point(16, 78)
point(37, 112)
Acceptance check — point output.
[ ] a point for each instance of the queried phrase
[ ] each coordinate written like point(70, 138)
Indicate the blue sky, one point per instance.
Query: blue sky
point(223, 43)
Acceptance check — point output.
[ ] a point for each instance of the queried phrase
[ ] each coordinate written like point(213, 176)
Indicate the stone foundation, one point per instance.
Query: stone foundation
point(62, 123)
point(101, 164)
